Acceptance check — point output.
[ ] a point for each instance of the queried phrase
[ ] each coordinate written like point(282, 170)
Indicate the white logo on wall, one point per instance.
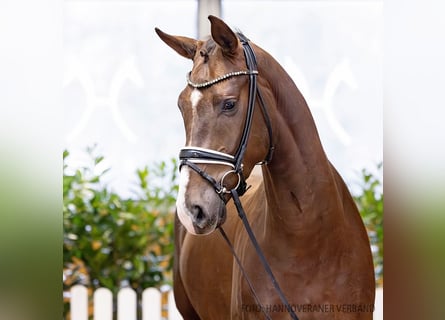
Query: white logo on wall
point(341, 73)
point(126, 71)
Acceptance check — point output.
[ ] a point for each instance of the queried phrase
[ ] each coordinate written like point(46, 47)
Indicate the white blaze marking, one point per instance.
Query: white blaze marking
point(184, 214)
point(195, 96)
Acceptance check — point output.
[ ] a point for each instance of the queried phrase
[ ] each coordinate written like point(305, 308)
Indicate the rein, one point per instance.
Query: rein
point(193, 156)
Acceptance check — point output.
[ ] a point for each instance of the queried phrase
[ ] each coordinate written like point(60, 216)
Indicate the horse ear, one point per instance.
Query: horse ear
point(186, 47)
point(223, 35)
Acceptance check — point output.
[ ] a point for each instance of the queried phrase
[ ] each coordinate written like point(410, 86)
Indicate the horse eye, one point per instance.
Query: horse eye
point(228, 105)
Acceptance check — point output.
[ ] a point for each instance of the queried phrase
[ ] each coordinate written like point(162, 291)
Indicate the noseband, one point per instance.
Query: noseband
point(193, 156)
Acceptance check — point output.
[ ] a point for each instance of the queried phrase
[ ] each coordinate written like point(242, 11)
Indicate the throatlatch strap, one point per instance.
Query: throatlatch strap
point(260, 253)
point(269, 127)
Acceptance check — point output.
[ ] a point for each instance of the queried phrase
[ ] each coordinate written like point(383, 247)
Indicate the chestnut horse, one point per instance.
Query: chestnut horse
point(300, 209)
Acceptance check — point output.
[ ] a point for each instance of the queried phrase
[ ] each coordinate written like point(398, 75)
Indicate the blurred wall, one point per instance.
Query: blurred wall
point(121, 82)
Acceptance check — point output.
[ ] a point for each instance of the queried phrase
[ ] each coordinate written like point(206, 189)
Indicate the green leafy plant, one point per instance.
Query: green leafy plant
point(114, 242)
point(370, 204)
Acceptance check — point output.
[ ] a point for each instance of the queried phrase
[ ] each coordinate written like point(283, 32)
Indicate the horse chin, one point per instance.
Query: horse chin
point(212, 224)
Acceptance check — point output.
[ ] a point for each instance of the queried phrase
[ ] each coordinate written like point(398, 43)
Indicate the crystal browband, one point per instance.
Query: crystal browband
point(221, 78)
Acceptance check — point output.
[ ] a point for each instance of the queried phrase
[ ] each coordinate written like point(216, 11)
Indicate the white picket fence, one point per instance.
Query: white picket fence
point(126, 304)
point(151, 304)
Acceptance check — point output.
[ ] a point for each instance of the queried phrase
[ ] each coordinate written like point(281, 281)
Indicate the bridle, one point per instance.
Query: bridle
point(193, 156)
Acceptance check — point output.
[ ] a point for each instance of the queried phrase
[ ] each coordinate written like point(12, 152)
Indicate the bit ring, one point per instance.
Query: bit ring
point(223, 189)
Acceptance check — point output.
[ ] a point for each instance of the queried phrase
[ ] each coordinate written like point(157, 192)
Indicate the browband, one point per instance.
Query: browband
point(220, 78)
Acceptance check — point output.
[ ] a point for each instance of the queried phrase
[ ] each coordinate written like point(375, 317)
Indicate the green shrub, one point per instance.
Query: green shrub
point(370, 204)
point(114, 242)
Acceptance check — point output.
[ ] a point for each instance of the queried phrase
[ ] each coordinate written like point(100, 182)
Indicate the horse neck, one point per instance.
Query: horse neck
point(301, 186)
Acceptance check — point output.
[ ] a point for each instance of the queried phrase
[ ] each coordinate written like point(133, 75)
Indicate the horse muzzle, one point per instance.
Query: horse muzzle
point(200, 209)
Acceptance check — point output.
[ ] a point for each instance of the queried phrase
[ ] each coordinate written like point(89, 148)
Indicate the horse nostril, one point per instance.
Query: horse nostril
point(198, 213)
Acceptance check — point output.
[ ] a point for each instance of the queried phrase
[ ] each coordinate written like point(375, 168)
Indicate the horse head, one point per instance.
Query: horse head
point(214, 106)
